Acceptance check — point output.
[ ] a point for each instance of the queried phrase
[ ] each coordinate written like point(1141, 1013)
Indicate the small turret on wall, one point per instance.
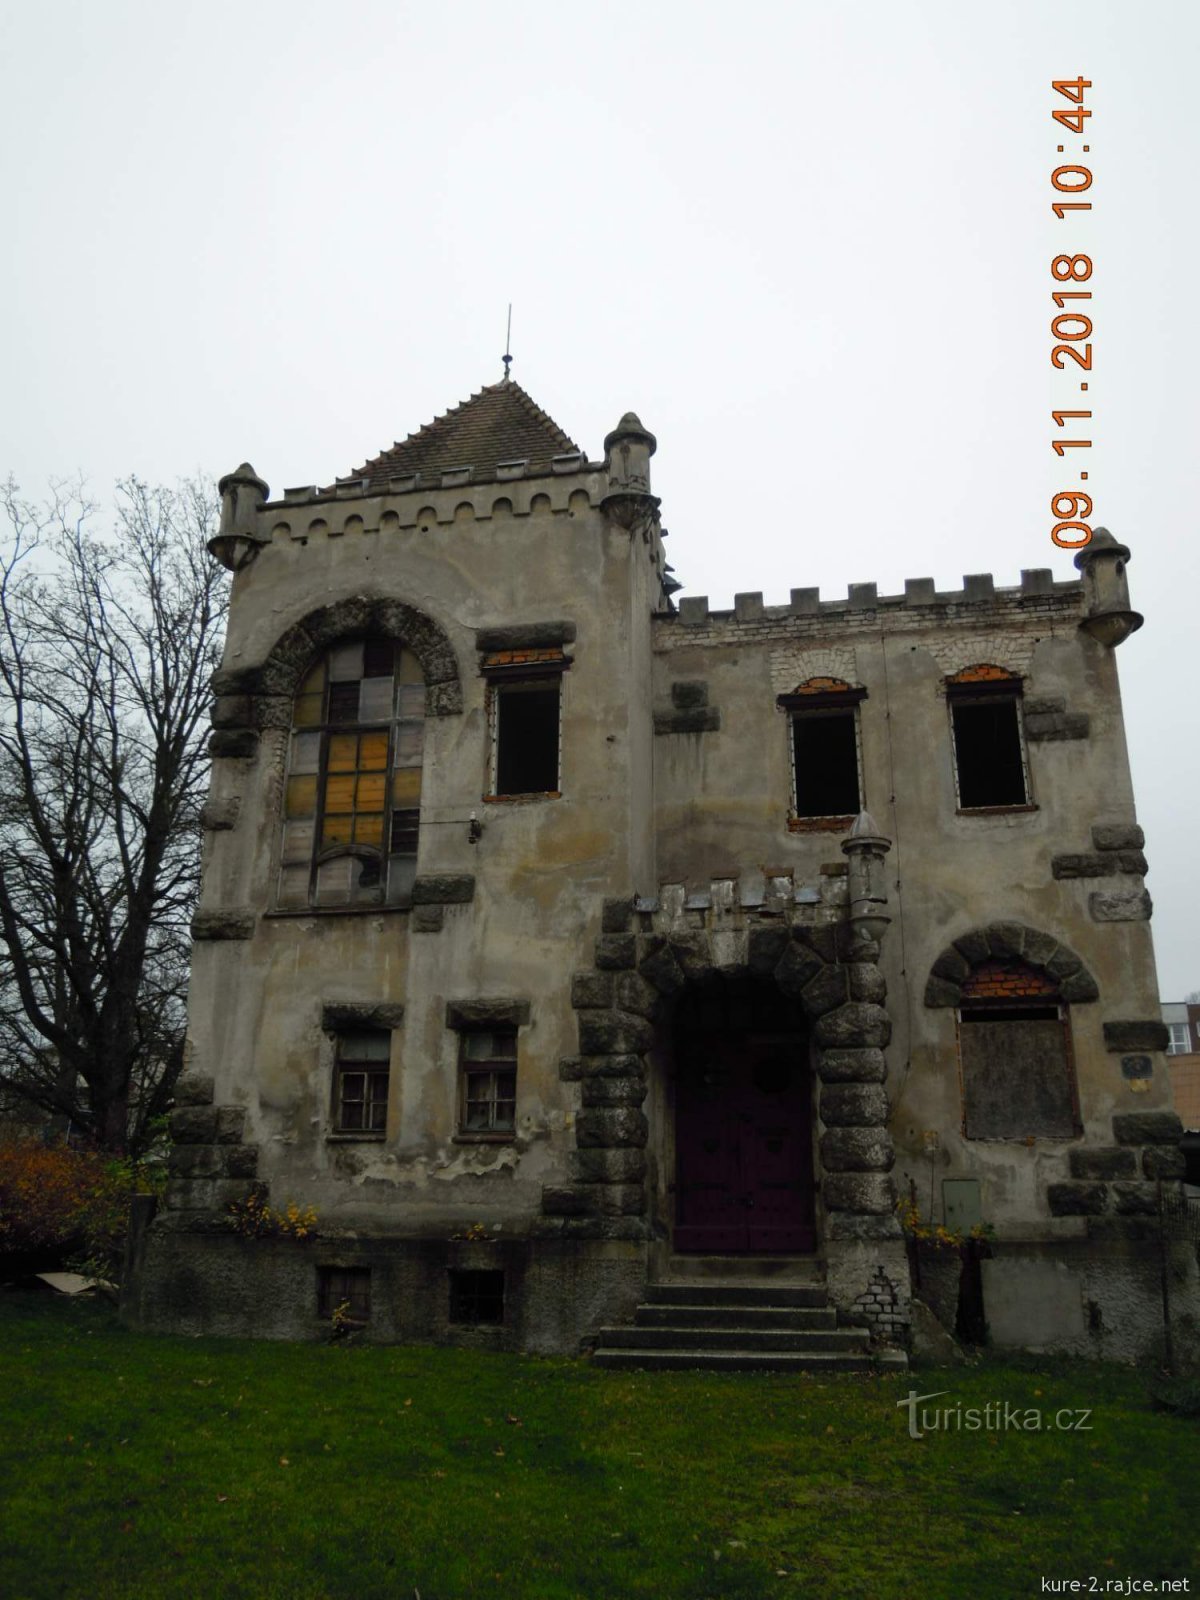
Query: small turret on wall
point(1107, 613)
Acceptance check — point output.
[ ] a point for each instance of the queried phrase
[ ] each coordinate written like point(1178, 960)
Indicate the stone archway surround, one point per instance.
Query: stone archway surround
point(642, 960)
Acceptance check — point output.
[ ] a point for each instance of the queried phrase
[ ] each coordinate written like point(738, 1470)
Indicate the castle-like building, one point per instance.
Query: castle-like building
point(568, 950)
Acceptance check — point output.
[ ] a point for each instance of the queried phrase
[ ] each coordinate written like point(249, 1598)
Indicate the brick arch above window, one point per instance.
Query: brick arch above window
point(1008, 952)
point(264, 693)
point(984, 672)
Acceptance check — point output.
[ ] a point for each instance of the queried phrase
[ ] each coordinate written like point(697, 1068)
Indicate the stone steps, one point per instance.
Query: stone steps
point(744, 1325)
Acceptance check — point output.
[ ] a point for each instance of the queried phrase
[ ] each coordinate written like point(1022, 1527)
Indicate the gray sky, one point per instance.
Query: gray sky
point(808, 243)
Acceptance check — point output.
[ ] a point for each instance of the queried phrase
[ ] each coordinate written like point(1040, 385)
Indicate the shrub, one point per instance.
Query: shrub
point(56, 1202)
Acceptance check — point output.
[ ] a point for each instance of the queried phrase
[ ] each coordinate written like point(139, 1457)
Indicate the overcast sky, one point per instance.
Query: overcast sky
point(808, 243)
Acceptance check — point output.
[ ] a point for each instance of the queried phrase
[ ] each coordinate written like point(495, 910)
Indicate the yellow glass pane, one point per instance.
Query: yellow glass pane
point(339, 794)
point(336, 830)
point(409, 669)
point(307, 711)
point(370, 792)
point(343, 752)
point(314, 680)
point(301, 797)
point(373, 752)
point(369, 830)
point(406, 786)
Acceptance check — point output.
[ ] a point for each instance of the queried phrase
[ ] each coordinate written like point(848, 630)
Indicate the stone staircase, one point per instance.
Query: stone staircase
point(741, 1324)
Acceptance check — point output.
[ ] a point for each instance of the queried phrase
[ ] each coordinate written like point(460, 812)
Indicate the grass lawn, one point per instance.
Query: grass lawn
point(142, 1466)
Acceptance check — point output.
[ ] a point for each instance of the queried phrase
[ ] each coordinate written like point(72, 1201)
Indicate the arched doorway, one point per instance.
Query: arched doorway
point(743, 1120)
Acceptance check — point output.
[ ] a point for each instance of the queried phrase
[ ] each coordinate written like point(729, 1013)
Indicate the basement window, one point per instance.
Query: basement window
point(989, 755)
point(476, 1298)
point(344, 1289)
point(825, 755)
point(1014, 1038)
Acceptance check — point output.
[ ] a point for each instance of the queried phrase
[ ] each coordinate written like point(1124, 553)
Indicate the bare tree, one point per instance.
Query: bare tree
point(107, 643)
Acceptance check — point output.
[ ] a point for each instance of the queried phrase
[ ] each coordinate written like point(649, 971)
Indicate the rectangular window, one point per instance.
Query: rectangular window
point(489, 1082)
point(361, 1081)
point(477, 1298)
point(825, 762)
point(1018, 1081)
point(346, 1290)
point(1181, 1043)
point(988, 753)
point(526, 736)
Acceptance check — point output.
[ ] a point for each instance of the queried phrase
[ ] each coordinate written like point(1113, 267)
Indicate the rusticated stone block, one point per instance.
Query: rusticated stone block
point(232, 711)
point(444, 889)
point(239, 1160)
point(620, 1199)
point(1085, 865)
point(561, 1200)
point(854, 1225)
point(797, 967)
point(607, 1166)
point(193, 1124)
point(939, 992)
point(237, 744)
point(612, 1091)
point(1079, 987)
point(854, 1105)
point(605, 1228)
point(693, 955)
point(869, 1193)
point(632, 993)
point(1147, 1127)
point(854, 1026)
point(1105, 1163)
point(1123, 905)
point(867, 982)
point(689, 693)
point(826, 990)
point(851, 1066)
point(974, 947)
point(1076, 1199)
point(1044, 705)
point(614, 1128)
point(591, 990)
point(1133, 861)
point(952, 966)
point(223, 925)
point(1056, 726)
point(428, 919)
point(1136, 1068)
point(1148, 1035)
point(857, 1150)
point(1006, 940)
point(194, 1161)
point(1040, 948)
point(194, 1089)
point(613, 1033)
point(616, 951)
point(1135, 1199)
point(1163, 1161)
point(218, 815)
point(575, 1069)
point(1117, 836)
point(526, 635)
point(231, 1123)
point(822, 940)
point(659, 966)
point(364, 1014)
point(617, 915)
point(485, 1012)
point(700, 719)
point(764, 947)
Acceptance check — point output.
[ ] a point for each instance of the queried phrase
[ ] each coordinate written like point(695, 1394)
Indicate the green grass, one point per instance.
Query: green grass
point(143, 1466)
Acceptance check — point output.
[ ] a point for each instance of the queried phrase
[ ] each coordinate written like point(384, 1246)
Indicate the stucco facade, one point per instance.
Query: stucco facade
point(674, 882)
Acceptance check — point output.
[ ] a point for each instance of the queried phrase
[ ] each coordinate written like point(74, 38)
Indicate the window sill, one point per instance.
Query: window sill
point(349, 1136)
point(340, 911)
point(484, 1138)
point(820, 824)
point(521, 799)
point(994, 811)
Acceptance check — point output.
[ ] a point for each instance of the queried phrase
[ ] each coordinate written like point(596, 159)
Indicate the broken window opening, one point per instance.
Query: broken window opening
point(476, 1298)
point(361, 1076)
point(825, 763)
point(989, 756)
point(527, 723)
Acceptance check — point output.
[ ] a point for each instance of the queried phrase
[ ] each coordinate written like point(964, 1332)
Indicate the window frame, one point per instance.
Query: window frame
point(803, 703)
point(360, 899)
point(510, 672)
point(490, 1066)
point(967, 1014)
point(1176, 1030)
point(989, 691)
point(370, 1068)
point(344, 1285)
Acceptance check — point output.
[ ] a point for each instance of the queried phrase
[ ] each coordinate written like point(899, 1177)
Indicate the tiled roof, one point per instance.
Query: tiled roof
point(499, 424)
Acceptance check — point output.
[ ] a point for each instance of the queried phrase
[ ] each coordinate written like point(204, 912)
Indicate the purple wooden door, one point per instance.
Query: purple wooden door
point(743, 1146)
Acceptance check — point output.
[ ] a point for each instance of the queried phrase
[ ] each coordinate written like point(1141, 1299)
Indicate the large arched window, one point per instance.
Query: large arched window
point(352, 802)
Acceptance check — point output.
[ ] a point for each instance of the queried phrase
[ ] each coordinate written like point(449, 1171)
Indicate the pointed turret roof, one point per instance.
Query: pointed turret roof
point(499, 424)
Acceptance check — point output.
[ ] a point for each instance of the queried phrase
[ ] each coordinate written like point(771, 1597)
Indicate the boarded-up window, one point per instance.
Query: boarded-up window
point(1017, 1077)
